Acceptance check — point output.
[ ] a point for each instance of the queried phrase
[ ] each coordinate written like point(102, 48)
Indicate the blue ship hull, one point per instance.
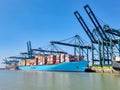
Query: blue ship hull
point(79, 66)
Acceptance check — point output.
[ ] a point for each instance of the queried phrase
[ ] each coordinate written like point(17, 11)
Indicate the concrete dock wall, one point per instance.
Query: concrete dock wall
point(104, 69)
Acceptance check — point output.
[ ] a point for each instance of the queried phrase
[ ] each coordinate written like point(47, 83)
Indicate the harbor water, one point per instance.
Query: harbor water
point(37, 80)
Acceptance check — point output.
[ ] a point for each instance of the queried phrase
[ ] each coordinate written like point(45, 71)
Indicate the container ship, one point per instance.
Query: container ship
point(59, 62)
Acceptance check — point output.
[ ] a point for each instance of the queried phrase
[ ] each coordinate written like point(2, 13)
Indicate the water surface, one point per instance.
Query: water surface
point(36, 80)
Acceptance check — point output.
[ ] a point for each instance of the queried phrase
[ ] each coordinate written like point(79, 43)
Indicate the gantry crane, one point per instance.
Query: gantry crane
point(78, 44)
point(104, 40)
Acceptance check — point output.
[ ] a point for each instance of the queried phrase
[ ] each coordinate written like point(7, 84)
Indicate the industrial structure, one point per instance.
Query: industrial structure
point(105, 40)
point(81, 48)
point(104, 45)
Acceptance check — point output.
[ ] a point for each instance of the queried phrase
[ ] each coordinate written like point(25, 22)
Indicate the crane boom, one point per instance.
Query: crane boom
point(85, 27)
point(41, 50)
point(72, 45)
point(95, 22)
point(113, 32)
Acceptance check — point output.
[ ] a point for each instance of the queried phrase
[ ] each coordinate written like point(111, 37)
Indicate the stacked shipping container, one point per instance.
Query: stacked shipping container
point(57, 59)
point(62, 57)
point(50, 59)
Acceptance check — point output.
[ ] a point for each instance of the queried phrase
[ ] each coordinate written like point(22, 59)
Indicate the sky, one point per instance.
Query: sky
point(42, 21)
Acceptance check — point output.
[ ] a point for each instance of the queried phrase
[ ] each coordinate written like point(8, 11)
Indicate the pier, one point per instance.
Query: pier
point(104, 69)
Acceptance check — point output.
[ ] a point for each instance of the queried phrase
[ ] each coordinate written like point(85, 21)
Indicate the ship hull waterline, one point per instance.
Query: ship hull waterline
point(79, 66)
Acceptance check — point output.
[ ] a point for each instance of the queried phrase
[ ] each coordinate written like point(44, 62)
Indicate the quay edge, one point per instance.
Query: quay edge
point(104, 69)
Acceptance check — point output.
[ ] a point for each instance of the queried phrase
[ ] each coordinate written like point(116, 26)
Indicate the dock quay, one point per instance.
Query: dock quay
point(104, 69)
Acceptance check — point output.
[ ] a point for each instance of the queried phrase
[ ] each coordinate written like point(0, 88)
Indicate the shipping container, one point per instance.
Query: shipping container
point(57, 59)
point(52, 59)
point(32, 62)
point(21, 63)
point(77, 58)
point(68, 57)
point(44, 60)
point(62, 58)
point(28, 62)
point(41, 60)
point(81, 57)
